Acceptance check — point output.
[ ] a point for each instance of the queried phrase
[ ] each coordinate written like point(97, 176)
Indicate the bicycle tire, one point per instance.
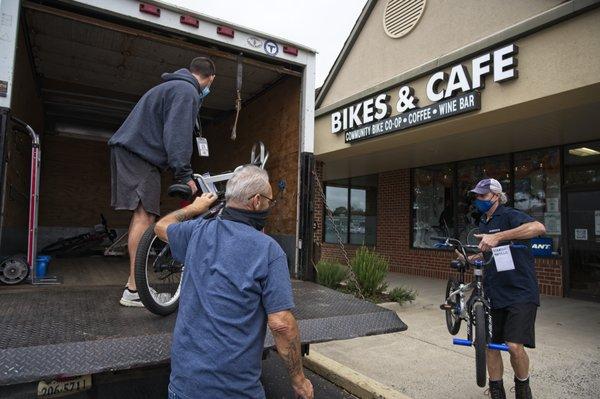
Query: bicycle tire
point(141, 279)
point(452, 320)
point(63, 245)
point(480, 343)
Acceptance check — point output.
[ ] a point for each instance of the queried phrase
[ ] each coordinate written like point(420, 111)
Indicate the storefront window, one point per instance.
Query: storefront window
point(468, 174)
point(433, 205)
point(442, 204)
point(537, 193)
point(359, 195)
point(582, 164)
point(337, 200)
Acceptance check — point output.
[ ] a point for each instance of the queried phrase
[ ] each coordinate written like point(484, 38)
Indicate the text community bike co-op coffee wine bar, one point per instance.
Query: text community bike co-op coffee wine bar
point(421, 105)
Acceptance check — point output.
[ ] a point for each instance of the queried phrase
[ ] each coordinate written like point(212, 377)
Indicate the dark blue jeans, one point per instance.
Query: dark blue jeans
point(173, 395)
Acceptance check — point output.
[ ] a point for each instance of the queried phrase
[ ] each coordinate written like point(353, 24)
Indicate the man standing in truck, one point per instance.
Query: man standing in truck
point(157, 135)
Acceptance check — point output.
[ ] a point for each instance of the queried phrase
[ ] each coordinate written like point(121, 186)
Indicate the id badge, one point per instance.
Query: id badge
point(202, 144)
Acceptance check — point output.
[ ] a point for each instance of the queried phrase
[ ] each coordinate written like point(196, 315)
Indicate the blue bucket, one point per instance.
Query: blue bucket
point(41, 266)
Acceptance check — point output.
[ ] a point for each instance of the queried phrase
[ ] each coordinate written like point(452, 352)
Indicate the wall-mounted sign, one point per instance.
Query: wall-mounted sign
point(454, 106)
point(581, 234)
point(541, 246)
point(451, 94)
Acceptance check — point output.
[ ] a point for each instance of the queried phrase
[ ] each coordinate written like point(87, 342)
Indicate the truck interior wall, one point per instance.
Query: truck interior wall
point(75, 188)
point(27, 106)
point(273, 118)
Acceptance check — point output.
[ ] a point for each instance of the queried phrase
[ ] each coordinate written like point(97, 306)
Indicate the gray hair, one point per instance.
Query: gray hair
point(246, 182)
point(503, 198)
point(498, 191)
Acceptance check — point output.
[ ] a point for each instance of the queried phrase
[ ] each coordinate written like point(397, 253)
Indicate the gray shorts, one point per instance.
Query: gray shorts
point(133, 180)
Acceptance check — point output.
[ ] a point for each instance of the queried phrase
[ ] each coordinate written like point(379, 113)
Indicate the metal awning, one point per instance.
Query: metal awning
point(74, 331)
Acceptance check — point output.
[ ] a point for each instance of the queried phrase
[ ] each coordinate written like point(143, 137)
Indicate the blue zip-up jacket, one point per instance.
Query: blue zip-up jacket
point(160, 127)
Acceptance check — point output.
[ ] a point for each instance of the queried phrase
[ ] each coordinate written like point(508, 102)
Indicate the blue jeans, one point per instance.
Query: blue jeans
point(172, 395)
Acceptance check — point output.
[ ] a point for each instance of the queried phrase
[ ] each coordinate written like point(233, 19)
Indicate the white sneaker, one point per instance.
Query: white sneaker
point(131, 299)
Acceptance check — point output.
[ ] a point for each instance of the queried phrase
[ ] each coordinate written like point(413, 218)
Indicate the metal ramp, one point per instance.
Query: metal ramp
point(50, 332)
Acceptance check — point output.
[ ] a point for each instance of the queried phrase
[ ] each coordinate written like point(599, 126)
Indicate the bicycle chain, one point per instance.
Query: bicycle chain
point(329, 213)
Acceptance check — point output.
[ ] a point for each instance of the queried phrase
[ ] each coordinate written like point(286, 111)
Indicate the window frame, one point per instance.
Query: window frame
point(510, 195)
point(349, 188)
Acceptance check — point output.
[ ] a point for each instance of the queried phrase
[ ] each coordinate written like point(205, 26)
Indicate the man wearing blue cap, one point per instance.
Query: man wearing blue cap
point(513, 291)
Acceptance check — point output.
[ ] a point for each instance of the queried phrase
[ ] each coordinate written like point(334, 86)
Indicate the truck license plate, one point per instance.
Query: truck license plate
point(63, 387)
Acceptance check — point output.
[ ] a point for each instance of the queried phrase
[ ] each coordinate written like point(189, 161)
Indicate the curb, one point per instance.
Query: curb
point(352, 381)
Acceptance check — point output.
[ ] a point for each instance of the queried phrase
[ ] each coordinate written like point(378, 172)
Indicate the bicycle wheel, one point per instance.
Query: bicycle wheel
point(480, 343)
point(64, 245)
point(157, 275)
point(453, 315)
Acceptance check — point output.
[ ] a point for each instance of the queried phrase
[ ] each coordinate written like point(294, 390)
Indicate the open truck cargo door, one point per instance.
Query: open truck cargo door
point(9, 20)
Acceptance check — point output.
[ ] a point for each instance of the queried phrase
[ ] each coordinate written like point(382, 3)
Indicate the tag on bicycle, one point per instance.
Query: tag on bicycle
point(503, 258)
point(202, 144)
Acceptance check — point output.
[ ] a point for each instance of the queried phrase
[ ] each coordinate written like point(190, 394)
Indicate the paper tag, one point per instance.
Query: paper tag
point(202, 144)
point(503, 258)
point(581, 234)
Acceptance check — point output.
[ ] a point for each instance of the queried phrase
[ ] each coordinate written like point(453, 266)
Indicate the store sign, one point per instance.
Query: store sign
point(451, 94)
point(541, 246)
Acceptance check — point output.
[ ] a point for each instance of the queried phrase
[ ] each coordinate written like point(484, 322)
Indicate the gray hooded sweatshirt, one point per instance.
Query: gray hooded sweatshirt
point(160, 127)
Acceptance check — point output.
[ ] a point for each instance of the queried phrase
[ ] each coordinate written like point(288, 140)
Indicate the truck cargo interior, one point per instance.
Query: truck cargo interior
point(77, 76)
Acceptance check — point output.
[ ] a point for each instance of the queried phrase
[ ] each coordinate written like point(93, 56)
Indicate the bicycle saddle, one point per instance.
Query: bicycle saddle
point(182, 191)
point(457, 264)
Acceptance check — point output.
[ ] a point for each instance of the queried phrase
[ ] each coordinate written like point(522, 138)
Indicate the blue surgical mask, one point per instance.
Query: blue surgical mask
point(483, 206)
point(205, 91)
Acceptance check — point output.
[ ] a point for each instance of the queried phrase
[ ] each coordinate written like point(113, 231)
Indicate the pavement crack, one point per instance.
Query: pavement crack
point(439, 346)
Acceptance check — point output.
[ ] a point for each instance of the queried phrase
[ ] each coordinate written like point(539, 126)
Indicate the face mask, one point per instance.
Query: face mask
point(256, 219)
point(205, 91)
point(483, 206)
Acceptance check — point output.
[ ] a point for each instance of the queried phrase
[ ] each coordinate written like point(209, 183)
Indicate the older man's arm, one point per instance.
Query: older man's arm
point(523, 232)
point(284, 327)
point(199, 206)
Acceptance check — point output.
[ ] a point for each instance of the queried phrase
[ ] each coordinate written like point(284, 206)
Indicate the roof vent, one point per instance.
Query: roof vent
point(401, 16)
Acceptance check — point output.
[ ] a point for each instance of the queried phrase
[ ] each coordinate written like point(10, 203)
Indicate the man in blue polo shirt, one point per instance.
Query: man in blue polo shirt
point(513, 291)
point(235, 283)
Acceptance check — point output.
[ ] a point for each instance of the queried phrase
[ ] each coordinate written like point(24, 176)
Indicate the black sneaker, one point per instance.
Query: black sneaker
point(522, 389)
point(497, 390)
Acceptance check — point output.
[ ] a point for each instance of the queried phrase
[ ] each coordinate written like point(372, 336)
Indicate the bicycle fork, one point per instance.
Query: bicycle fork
point(469, 340)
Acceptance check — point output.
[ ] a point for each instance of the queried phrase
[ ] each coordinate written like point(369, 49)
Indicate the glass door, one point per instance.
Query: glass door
point(583, 216)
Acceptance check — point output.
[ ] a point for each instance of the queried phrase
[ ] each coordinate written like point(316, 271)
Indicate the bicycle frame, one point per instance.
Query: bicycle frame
point(206, 183)
point(478, 294)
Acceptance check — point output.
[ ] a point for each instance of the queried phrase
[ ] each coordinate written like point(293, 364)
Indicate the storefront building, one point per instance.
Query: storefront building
point(427, 98)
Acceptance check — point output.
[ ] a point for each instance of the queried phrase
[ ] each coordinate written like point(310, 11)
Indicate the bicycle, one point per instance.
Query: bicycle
point(157, 275)
point(81, 244)
point(476, 311)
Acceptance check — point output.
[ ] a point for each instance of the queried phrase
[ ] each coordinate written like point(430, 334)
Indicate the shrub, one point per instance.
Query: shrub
point(370, 269)
point(330, 274)
point(402, 294)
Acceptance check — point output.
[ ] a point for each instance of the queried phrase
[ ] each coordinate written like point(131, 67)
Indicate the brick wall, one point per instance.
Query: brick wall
point(393, 238)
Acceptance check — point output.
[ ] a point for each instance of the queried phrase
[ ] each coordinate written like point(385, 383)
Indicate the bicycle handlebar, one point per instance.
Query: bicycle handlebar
point(463, 249)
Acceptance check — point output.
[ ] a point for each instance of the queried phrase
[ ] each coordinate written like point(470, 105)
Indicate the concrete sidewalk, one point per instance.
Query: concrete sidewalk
point(423, 363)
